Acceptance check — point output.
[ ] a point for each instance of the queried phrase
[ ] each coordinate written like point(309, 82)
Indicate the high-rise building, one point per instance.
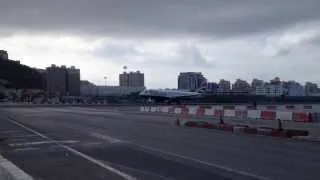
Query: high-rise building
point(212, 87)
point(224, 86)
point(257, 83)
point(62, 81)
point(56, 80)
point(311, 88)
point(294, 88)
point(73, 81)
point(241, 86)
point(132, 79)
point(191, 80)
point(4, 55)
point(275, 81)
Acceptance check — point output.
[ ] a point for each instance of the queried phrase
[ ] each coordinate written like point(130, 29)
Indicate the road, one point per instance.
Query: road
point(110, 143)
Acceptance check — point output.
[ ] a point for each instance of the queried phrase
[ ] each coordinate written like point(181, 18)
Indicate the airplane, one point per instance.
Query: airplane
point(169, 96)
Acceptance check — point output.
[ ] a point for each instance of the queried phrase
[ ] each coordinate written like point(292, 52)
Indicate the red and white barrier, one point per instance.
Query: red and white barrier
point(268, 115)
point(177, 110)
point(216, 111)
point(165, 109)
point(301, 117)
point(254, 114)
point(241, 113)
point(192, 110)
point(209, 112)
point(284, 115)
point(229, 113)
point(200, 111)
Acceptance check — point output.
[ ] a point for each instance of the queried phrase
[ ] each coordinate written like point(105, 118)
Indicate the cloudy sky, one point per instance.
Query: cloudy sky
point(227, 39)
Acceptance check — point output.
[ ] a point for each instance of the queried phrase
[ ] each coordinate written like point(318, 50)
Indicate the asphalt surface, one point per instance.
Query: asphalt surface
point(111, 143)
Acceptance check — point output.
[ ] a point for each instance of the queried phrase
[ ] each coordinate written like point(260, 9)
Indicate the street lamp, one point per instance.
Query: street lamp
point(105, 80)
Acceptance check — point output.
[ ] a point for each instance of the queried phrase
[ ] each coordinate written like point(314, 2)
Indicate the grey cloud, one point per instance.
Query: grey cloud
point(154, 18)
point(315, 41)
point(190, 55)
point(285, 51)
point(114, 50)
point(184, 55)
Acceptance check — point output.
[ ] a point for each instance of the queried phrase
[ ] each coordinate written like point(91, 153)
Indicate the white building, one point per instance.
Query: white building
point(311, 88)
point(294, 89)
point(271, 90)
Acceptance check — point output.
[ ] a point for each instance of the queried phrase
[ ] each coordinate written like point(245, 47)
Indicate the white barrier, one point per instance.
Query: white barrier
point(192, 110)
point(255, 114)
point(284, 115)
point(164, 109)
point(208, 112)
point(153, 109)
point(229, 113)
point(218, 107)
point(177, 110)
point(142, 109)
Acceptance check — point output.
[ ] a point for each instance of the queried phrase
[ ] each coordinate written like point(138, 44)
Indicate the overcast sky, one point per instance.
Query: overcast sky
point(227, 39)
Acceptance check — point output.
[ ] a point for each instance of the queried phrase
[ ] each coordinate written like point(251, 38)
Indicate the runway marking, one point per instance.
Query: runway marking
point(23, 136)
point(26, 149)
point(243, 173)
point(9, 132)
point(42, 142)
point(105, 137)
point(13, 171)
point(227, 169)
point(90, 159)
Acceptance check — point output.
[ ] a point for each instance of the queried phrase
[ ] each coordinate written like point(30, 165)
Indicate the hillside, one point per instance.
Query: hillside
point(20, 76)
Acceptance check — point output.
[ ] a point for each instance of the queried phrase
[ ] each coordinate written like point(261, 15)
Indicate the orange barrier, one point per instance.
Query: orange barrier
point(268, 115)
point(301, 117)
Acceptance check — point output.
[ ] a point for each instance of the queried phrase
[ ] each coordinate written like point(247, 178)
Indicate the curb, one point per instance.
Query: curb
point(9, 171)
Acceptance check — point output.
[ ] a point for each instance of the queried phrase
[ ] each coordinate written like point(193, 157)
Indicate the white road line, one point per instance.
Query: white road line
point(227, 169)
point(9, 132)
point(42, 142)
point(90, 159)
point(26, 149)
point(23, 136)
point(13, 171)
point(203, 162)
point(105, 137)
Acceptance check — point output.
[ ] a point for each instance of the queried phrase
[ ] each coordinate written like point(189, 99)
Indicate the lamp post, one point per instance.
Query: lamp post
point(105, 80)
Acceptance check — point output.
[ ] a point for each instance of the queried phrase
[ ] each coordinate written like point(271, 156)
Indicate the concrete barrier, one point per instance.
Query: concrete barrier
point(9, 171)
